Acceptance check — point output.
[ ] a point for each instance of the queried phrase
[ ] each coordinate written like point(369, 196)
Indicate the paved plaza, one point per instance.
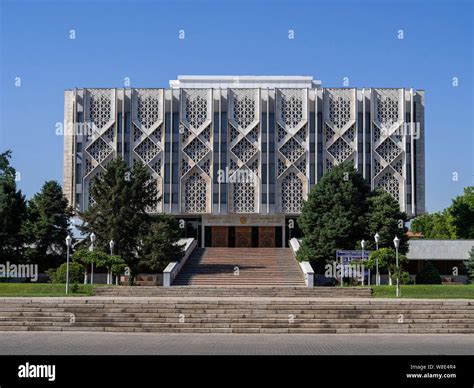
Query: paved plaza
point(90, 343)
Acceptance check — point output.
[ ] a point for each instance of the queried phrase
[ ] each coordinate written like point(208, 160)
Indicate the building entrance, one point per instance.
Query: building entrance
point(243, 236)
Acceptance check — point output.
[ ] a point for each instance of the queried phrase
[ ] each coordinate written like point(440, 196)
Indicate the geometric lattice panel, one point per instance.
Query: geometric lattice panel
point(387, 107)
point(99, 150)
point(291, 108)
point(195, 107)
point(291, 193)
point(244, 107)
point(195, 194)
point(387, 119)
point(292, 148)
point(388, 150)
point(340, 135)
point(390, 184)
point(100, 107)
point(147, 150)
point(244, 145)
point(244, 150)
point(147, 130)
point(195, 149)
point(340, 107)
point(243, 194)
point(340, 150)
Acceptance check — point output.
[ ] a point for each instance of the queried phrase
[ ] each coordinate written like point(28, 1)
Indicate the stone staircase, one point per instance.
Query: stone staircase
point(241, 266)
point(237, 315)
point(235, 291)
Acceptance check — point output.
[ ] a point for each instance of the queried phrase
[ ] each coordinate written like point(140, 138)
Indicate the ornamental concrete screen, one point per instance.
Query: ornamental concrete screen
point(245, 150)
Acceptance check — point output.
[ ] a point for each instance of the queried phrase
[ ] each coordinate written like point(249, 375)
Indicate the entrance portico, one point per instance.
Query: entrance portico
point(243, 231)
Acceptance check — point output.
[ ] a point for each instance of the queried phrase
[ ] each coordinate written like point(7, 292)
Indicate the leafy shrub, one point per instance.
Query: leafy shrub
point(405, 278)
point(58, 275)
point(428, 275)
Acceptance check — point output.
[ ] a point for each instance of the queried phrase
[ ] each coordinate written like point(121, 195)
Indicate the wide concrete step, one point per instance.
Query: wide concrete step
point(237, 315)
point(289, 290)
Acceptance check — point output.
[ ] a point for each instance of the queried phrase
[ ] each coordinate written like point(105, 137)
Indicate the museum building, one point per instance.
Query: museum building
point(234, 157)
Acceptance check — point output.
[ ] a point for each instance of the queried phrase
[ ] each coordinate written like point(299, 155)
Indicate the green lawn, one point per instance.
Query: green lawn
point(427, 291)
point(408, 291)
point(42, 289)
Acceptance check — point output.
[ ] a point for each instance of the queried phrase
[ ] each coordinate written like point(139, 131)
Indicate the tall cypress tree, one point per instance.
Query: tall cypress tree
point(47, 226)
point(334, 216)
point(121, 197)
point(12, 212)
point(385, 218)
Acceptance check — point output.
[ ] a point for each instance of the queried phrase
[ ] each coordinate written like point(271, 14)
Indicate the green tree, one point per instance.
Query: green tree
point(122, 197)
point(334, 216)
point(462, 210)
point(385, 218)
point(469, 264)
point(12, 212)
point(160, 244)
point(439, 225)
point(58, 275)
point(100, 259)
point(47, 226)
point(387, 261)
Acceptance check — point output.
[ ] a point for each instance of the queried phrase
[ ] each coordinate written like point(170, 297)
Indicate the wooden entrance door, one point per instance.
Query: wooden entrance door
point(220, 236)
point(243, 236)
point(266, 236)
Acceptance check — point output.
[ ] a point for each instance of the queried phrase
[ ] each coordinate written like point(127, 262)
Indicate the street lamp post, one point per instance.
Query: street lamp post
point(377, 275)
point(109, 275)
point(396, 242)
point(92, 264)
point(68, 246)
point(362, 244)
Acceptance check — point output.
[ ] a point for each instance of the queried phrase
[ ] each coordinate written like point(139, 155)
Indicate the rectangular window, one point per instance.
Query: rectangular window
point(176, 123)
point(272, 124)
point(78, 173)
point(320, 123)
point(167, 173)
point(119, 124)
point(167, 122)
point(272, 198)
point(127, 123)
point(79, 147)
point(360, 123)
point(272, 172)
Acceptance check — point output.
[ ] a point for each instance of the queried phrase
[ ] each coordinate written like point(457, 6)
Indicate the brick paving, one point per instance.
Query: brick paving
point(82, 343)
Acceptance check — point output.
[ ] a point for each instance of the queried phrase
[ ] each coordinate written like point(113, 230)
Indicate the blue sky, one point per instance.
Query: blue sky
point(139, 40)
